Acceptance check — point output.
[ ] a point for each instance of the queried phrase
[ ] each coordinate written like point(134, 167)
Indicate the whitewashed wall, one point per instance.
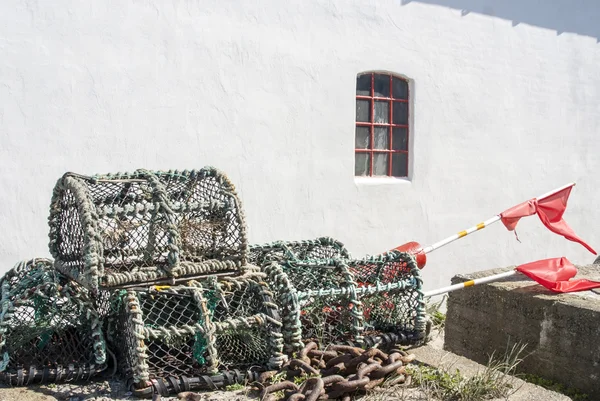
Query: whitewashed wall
point(506, 107)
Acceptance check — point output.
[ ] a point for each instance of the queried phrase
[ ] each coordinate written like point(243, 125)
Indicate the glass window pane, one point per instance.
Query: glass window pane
point(382, 85)
point(363, 138)
point(380, 164)
point(362, 162)
point(381, 138)
point(400, 164)
point(400, 113)
point(400, 88)
point(400, 139)
point(363, 111)
point(363, 85)
point(382, 112)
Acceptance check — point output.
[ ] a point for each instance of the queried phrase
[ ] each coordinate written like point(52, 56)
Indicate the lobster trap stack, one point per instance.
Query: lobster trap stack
point(167, 254)
point(49, 328)
point(158, 264)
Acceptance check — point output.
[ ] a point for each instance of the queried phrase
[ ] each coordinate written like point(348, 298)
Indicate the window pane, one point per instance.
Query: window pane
point(382, 85)
point(399, 164)
point(400, 139)
point(363, 138)
point(362, 163)
point(381, 138)
point(380, 164)
point(400, 88)
point(363, 85)
point(400, 113)
point(363, 111)
point(382, 112)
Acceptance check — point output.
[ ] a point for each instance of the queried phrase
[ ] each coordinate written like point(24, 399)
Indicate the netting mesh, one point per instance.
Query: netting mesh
point(49, 329)
point(197, 329)
point(242, 346)
point(124, 228)
point(324, 316)
point(323, 248)
point(344, 300)
point(391, 293)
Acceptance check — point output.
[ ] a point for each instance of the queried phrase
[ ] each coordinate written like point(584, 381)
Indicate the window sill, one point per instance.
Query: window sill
point(381, 181)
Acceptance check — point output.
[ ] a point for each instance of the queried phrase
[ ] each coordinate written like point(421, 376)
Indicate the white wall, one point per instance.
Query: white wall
point(503, 111)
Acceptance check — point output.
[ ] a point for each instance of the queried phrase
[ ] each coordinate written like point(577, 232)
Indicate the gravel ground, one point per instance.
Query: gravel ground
point(112, 390)
point(115, 391)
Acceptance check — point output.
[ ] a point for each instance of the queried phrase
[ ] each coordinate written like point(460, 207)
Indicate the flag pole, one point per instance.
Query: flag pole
point(482, 225)
point(469, 283)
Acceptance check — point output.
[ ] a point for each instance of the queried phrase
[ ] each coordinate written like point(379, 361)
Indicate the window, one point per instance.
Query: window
point(382, 132)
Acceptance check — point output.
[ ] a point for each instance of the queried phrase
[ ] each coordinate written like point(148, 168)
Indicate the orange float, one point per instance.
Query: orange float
point(415, 249)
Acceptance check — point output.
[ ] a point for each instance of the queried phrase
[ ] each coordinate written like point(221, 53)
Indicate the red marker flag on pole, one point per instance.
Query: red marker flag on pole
point(550, 210)
point(555, 274)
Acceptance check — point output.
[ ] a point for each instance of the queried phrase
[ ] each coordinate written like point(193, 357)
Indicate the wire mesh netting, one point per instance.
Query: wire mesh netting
point(322, 248)
point(109, 230)
point(337, 301)
point(49, 329)
point(197, 329)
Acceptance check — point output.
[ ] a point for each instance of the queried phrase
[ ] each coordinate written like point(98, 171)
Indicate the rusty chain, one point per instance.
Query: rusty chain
point(336, 373)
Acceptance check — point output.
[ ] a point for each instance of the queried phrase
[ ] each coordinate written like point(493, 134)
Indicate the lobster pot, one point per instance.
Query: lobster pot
point(49, 329)
point(363, 301)
point(322, 248)
point(390, 289)
point(318, 302)
point(197, 330)
point(111, 230)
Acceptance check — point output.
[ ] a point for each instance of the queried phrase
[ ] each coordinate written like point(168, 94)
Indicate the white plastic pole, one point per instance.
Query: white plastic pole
point(469, 283)
point(483, 224)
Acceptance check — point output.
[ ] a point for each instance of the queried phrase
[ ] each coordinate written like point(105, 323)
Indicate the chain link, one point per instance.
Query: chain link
point(337, 372)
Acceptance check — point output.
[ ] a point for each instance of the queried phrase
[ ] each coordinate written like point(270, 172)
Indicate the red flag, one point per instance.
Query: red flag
point(555, 274)
point(550, 211)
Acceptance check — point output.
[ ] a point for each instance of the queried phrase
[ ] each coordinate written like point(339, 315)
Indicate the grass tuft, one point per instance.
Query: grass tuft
point(495, 381)
point(438, 319)
point(574, 394)
point(235, 387)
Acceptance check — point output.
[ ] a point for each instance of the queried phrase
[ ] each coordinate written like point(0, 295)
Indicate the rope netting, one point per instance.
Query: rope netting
point(323, 248)
point(49, 330)
point(390, 288)
point(114, 229)
point(196, 329)
point(336, 301)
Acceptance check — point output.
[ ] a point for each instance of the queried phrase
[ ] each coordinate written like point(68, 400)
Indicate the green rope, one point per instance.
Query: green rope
point(200, 343)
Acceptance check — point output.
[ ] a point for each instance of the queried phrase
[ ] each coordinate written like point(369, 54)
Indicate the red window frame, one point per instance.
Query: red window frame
point(389, 125)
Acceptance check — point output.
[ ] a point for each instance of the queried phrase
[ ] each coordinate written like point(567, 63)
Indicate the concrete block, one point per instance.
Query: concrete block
point(562, 331)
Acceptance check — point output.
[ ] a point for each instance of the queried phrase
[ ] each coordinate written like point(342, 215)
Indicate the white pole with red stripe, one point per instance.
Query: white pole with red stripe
point(419, 252)
point(469, 283)
point(460, 234)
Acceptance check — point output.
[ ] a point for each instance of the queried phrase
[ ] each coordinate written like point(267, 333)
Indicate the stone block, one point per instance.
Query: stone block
point(562, 331)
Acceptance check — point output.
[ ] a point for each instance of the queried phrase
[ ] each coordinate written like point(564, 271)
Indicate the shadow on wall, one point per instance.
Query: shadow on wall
point(581, 17)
